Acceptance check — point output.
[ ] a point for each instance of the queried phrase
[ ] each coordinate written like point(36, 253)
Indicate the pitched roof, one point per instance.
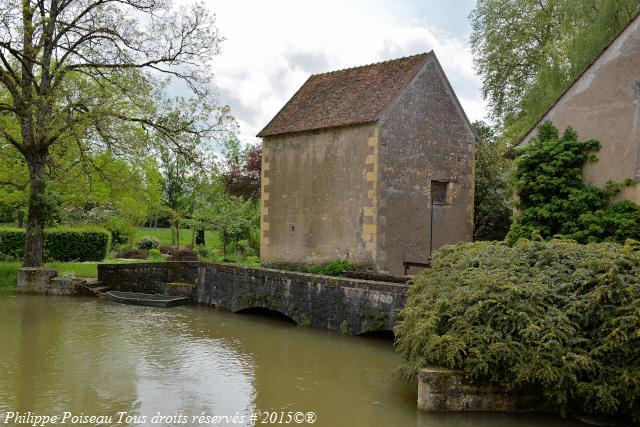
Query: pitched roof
point(344, 97)
point(634, 16)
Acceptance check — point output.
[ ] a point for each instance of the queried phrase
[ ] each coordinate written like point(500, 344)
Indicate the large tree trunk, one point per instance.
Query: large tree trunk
point(34, 238)
point(200, 236)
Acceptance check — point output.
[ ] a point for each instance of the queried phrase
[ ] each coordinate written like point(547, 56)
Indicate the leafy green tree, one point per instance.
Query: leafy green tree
point(554, 200)
point(493, 196)
point(230, 216)
point(89, 191)
point(153, 190)
point(528, 51)
point(14, 183)
point(176, 170)
point(81, 72)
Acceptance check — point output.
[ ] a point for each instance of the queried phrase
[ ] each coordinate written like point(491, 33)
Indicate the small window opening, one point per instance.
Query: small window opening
point(292, 227)
point(439, 192)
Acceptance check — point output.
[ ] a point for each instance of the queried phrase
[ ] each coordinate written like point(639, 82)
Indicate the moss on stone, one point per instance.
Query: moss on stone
point(372, 321)
point(305, 320)
point(345, 328)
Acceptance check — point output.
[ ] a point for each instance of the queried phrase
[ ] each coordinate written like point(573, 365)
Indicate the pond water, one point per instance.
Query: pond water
point(94, 357)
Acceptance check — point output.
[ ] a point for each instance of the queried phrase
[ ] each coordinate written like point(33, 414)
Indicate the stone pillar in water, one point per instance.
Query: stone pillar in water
point(35, 280)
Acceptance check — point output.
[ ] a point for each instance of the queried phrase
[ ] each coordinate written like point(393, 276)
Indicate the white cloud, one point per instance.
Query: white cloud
point(475, 109)
point(271, 48)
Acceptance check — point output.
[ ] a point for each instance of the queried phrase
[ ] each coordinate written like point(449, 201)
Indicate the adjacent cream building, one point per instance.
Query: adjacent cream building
point(604, 104)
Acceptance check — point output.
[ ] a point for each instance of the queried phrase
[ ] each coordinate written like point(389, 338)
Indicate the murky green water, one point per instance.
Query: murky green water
point(95, 357)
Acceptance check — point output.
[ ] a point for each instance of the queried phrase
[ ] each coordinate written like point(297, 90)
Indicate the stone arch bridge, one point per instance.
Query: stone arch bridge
point(347, 305)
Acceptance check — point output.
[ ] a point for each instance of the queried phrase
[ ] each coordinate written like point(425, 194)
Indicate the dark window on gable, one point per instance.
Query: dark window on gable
point(439, 192)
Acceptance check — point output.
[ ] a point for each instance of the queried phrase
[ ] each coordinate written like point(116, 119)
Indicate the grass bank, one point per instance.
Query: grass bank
point(164, 235)
point(9, 270)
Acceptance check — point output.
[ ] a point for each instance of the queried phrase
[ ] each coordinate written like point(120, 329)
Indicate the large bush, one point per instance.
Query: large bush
point(556, 318)
point(554, 200)
point(149, 242)
point(60, 244)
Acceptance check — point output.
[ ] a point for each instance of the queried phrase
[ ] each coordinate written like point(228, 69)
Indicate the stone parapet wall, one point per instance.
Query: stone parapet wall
point(147, 277)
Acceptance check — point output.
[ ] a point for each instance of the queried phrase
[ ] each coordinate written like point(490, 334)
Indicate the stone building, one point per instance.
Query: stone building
point(604, 104)
point(373, 164)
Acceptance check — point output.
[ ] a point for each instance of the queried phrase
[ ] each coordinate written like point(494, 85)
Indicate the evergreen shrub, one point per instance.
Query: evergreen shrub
point(556, 318)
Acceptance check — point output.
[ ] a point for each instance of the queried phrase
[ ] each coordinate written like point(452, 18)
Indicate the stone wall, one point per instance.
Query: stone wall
point(424, 137)
point(348, 305)
point(151, 278)
point(35, 280)
point(318, 196)
point(45, 281)
point(444, 390)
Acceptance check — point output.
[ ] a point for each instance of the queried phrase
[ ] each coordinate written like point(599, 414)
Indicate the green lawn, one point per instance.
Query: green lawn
point(164, 234)
point(8, 273)
point(9, 270)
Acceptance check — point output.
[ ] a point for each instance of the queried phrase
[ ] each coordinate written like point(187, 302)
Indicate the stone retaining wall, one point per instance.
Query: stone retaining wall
point(45, 281)
point(444, 390)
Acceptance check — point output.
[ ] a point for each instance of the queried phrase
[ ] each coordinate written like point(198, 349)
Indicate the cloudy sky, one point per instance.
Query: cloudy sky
point(272, 47)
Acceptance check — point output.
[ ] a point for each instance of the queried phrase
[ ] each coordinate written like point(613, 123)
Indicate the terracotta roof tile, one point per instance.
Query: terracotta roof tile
point(344, 97)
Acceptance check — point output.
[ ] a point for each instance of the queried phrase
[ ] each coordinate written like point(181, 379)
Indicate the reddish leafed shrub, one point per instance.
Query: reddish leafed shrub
point(132, 253)
point(164, 249)
point(183, 255)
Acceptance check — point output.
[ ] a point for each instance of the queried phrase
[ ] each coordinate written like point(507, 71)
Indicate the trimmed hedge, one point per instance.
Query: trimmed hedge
point(556, 318)
point(60, 244)
point(11, 243)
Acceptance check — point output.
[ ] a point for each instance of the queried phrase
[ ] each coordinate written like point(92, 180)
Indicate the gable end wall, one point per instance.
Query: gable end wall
point(424, 136)
point(604, 104)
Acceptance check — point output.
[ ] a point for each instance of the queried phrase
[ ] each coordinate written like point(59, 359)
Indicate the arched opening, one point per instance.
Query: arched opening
point(265, 312)
point(381, 335)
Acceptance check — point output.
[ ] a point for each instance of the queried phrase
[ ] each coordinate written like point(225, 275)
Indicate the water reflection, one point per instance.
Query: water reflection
point(96, 357)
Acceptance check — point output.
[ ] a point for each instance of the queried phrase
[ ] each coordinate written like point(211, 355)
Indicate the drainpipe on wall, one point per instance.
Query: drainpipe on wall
point(431, 228)
point(636, 132)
